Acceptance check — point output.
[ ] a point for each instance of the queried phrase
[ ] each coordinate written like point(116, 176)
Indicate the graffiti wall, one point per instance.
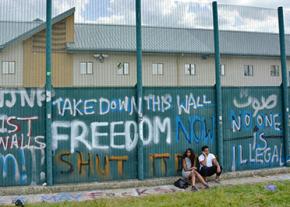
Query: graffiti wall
point(182, 118)
point(95, 132)
point(253, 133)
point(22, 137)
point(94, 135)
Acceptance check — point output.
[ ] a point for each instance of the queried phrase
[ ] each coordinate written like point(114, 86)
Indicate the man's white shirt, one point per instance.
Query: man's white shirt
point(209, 159)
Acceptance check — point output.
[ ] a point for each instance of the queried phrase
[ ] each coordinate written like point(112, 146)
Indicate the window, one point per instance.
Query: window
point(123, 69)
point(86, 68)
point(248, 70)
point(8, 67)
point(157, 69)
point(222, 70)
point(275, 70)
point(189, 69)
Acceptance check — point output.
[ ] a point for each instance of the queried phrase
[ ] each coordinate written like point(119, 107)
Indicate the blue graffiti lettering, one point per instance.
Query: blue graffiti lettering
point(198, 129)
point(244, 120)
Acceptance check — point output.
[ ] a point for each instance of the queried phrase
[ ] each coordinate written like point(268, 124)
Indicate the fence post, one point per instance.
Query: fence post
point(48, 88)
point(284, 83)
point(139, 87)
point(218, 88)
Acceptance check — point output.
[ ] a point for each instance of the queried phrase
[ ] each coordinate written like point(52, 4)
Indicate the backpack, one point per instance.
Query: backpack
point(197, 164)
point(181, 183)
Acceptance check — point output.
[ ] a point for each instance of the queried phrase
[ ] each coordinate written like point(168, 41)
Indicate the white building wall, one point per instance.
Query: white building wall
point(104, 74)
point(169, 77)
point(205, 71)
point(234, 71)
point(12, 53)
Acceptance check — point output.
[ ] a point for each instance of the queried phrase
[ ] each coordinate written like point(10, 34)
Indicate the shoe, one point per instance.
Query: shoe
point(194, 189)
point(206, 186)
point(217, 181)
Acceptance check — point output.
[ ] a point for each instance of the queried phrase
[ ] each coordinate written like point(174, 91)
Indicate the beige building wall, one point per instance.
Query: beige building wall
point(205, 71)
point(104, 74)
point(12, 53)
point(34, 66)
point(70, 27)
point(62, 62)
point(169, 77)
point(234, 71)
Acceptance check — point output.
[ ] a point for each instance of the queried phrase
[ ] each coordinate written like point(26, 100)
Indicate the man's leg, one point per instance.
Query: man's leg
point(210, 171)
point(218, 169)
point(202, 172)
point(218, 174)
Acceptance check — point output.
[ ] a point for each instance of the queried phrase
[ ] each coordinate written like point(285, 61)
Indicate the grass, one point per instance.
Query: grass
point(244, 195)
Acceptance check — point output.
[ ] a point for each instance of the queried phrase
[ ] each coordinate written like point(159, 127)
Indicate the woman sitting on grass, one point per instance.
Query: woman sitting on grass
point(189, 171)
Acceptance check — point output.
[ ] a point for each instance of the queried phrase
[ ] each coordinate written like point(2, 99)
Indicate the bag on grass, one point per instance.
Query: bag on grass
point(181, 183)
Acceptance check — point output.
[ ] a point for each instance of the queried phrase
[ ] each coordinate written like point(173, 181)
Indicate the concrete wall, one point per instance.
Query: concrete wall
point(13, 53)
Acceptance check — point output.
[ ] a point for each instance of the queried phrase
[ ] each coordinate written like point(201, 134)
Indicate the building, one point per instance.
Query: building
point(93, 55)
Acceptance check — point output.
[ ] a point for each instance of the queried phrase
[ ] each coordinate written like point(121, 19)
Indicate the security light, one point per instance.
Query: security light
point(204, 56)
point(100, 57)
point(120, 65)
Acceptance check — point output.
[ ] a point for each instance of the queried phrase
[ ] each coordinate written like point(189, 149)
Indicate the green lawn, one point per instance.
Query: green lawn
point(245, 195)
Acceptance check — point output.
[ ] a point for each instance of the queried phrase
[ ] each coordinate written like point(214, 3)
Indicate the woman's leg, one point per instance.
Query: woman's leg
point(192, 178)
point(200, 178)
point(193, 188)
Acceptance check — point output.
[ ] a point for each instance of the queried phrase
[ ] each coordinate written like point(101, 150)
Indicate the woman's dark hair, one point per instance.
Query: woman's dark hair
point(192, 156)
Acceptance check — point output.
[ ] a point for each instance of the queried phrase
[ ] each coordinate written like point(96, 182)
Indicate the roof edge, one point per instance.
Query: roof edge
point(177, 28)
point(108, 50)
point(39, 28)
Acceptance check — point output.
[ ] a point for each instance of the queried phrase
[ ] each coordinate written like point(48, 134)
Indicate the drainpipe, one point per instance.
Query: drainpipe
point(218, 89)
point(284, 83)
point(48, 88)
point(140, 147)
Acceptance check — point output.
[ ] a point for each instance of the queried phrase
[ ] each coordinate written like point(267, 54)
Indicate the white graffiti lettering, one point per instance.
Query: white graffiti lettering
point(95, 136)
point(256, 104)
point(8, 98)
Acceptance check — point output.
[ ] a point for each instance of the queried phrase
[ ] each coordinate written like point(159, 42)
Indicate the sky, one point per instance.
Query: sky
point(256, 3)
point(168, 13)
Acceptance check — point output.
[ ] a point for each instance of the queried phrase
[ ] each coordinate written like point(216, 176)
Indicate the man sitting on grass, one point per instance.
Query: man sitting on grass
point(209, 164)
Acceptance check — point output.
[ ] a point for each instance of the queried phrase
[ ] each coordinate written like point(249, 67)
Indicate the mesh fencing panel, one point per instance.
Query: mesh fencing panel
point(110, 122)
point(249, 42)
point(22, 131)
point(178, 79)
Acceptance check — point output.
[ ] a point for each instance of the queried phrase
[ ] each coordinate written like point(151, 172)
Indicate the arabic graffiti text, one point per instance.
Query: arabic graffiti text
point(256, 104)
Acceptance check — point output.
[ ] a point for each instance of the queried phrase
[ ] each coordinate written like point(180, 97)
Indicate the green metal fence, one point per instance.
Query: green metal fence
point(69, 124)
